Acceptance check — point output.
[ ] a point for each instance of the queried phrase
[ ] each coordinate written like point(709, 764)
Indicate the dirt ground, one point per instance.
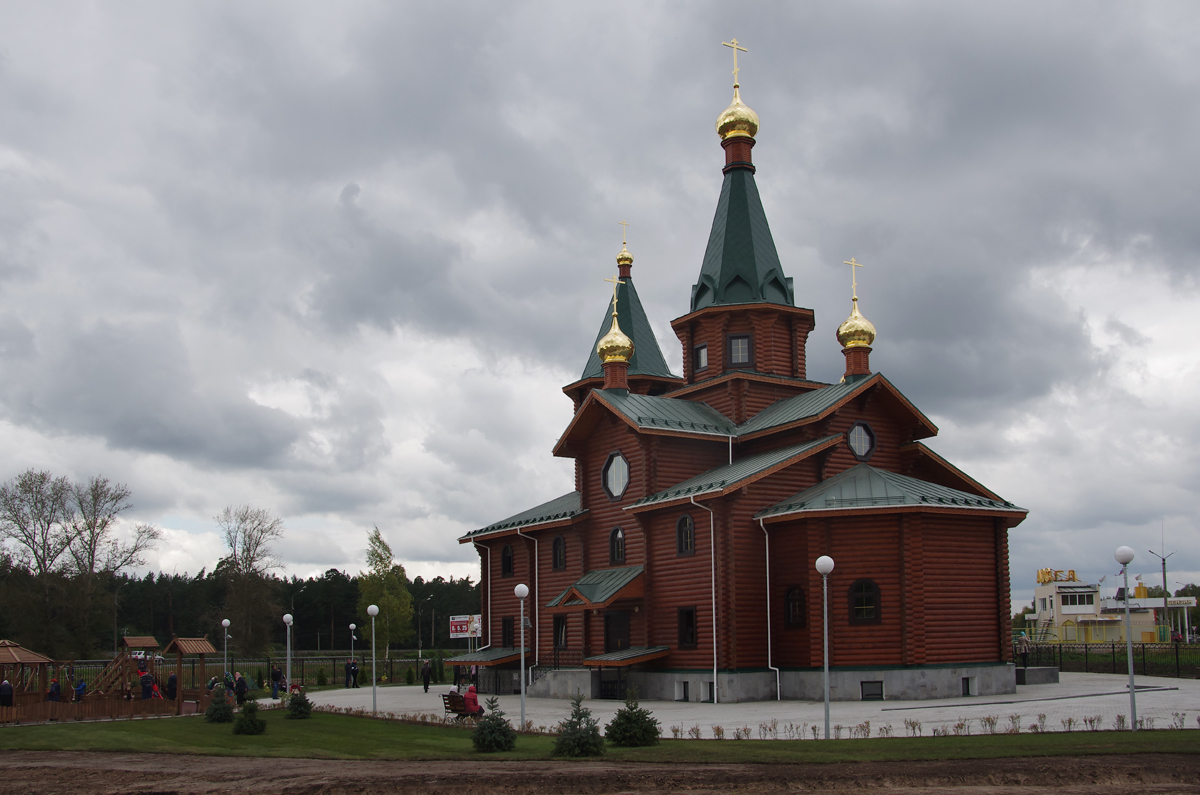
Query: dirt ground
point(42, 773)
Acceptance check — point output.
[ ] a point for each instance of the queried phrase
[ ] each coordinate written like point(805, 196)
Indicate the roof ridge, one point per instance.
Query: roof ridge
point(647, 356)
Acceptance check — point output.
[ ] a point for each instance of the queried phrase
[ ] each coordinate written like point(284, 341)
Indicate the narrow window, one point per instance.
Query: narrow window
point(685, 536)
point(616, 546)
point(687, 627)
point(739, 350)
point(507, 625)
point(615, 476)
point(560, 632)
point(700, 358)
point(794, 612)
point(559, 553)
point(864, 602)
point(506, 561)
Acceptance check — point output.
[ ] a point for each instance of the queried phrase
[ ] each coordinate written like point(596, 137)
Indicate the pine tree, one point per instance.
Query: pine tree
point(632, 726)
point(494, 732)
point(219, 709)
point(248, 721)
point(580, 735)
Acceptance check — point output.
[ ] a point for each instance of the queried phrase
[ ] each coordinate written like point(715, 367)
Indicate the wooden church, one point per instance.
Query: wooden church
point(682, 562)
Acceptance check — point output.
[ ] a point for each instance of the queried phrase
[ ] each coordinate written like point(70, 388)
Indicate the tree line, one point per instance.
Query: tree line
point(67, 588)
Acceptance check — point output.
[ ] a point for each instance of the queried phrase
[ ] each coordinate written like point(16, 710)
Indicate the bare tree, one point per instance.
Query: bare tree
point(33, 509)
point(95, 550)
point(250, 599)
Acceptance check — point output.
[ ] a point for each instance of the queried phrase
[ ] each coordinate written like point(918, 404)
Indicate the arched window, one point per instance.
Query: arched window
point(616, 546)
point(506, 561)
point(795, 613)
point(864, 602)
point(559, 558)
point(685, 536)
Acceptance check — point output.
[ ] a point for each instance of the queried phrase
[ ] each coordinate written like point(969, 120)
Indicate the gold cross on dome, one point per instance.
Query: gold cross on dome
point(734, 44)
point(616, 281)
point(853, 275)
point(624, 228)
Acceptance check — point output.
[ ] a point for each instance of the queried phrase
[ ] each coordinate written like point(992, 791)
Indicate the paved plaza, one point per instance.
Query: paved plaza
point(1077, 696)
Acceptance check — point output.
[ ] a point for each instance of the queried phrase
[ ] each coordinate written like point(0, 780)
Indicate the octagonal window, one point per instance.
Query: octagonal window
point(616, 475)
point(861, 440)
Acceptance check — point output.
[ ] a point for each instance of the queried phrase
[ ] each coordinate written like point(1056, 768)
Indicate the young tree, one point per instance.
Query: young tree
point(383, 585)
point(94, 550)
point(250, 597)
point(33, 508)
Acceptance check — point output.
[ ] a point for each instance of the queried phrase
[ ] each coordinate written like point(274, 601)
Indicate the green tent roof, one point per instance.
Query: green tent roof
point(864, 486)
point(741, 265)
point(600, 585)
point(564, 507)
point(647, 357)
point(723, 477)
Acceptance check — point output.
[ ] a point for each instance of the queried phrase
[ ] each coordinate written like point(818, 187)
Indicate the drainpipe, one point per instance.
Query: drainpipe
point(536, 604)
point(712, 554)
point(767, 538)
point(731, 449)
point(489, 579)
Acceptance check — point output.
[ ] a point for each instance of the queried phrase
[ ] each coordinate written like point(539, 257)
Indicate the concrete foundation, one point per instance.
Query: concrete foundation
point(890, 684)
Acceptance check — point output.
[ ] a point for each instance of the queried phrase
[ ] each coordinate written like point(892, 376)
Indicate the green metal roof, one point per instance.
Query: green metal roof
point(632, 653)
point(600, 585)
point(564, 507)
point(800, 407)
point(647, 357)
point(741, 265)
point(672, 413)
point(489, 654)
point(864, 486)
point(729, 475)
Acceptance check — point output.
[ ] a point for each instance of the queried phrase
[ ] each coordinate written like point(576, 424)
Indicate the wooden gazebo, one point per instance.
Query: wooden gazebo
point(27, 671)
point(198, 647)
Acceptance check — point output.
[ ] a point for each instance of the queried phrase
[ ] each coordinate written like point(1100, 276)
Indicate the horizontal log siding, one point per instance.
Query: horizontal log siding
point(678, 460)
point(551, 583)
point(864, 547)
point(504, 601)
point(792, 565)
point(604, 514)
point(960, 590)
point(680, 581)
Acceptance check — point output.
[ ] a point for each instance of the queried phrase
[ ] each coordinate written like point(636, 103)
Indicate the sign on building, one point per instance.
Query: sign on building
point(466, 626)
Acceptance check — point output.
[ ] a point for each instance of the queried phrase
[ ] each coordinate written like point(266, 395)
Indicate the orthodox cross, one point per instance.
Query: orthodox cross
point(616, 280)
point(624, 228)
point(853, 275)
point(734, 44)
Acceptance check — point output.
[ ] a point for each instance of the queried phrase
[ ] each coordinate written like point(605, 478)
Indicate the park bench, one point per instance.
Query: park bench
point(454, 705)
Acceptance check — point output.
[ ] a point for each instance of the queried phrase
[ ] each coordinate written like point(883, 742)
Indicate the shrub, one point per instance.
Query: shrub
point(322, 679)
point(580, 735)
point(298, 707)
point(632, 726)
point(410, 675)
point(259, 681)
point(219, 709)
point(493, 732)
point(248, 721)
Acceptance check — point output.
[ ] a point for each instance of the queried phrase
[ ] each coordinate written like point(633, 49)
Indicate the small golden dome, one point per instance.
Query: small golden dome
point(624, 257)
point(856, 331)
point(614, 346)
point(737, 119)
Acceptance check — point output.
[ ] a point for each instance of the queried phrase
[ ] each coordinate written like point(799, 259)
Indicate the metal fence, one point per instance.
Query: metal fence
point(1179, 660)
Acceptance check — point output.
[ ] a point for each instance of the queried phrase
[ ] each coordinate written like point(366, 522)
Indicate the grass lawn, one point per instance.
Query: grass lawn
point(349, 737)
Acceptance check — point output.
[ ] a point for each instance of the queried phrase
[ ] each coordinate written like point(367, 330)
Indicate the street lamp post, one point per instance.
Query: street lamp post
point(287, 619)
point(352, 628)
point(1124, 556)
point(521, 591)
point(225, 632)
point(824, 566)
point(372, 611)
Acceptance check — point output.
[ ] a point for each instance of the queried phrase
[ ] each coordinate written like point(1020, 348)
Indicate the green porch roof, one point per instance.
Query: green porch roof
point(564, 507)
point(668, 413)
point(741, 265)
point(490, 654)
point(600, 585)
point(730, 475)
point(864, 486)
point(647, 357)
point(628, 656)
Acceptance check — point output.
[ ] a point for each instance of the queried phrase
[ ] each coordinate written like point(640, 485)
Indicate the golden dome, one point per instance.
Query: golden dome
point(614, 346)
point(856, 331)
point(737, 119)
point(624, 257)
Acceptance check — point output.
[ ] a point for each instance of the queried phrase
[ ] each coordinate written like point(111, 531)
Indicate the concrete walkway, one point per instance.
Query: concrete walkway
point(1076, 697)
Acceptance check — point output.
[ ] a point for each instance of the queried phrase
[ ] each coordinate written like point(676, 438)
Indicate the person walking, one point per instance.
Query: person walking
point(354, 673)
point(1024, 646)
point(240, 688)
point(6, 693)
point(426, 673)
point(276, 675)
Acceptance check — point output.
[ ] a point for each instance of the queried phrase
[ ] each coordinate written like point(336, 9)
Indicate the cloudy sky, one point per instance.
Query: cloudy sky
point(337, 260)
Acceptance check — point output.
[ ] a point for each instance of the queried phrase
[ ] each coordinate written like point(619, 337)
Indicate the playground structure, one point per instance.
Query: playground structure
point(27, 671)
